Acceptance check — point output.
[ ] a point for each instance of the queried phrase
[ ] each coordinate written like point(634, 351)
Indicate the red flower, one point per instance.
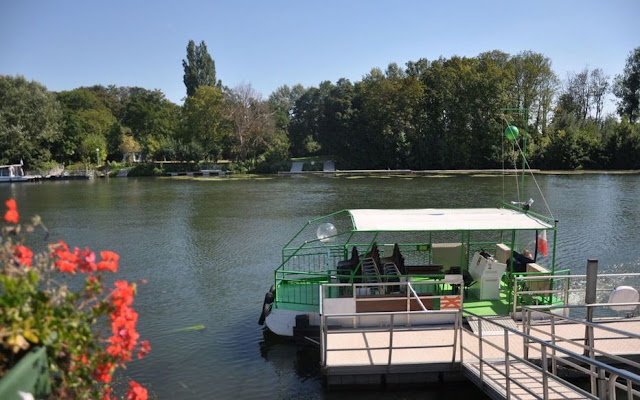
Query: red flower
point(104, 372)
point(11, 216)
point(107, 394)
point(86, 259)
point(82, 359)
point(66, 260)
point(66, 266)
point(123, 294)
point(136, 392)
point(145, 347)
point(62, 245)
point(24, 255)
point(109, 261)
point(124, 336)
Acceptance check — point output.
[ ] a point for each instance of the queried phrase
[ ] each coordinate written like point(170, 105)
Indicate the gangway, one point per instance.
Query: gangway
point(525, 364)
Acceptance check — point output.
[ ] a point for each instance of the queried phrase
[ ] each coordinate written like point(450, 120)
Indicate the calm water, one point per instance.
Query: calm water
point(209, 248)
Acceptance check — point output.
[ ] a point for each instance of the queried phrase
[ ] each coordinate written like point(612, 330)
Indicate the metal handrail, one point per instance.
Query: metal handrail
point(409, 294)
point(590, 338)
point(545, 346)
point(324, 330)
point(564, 292)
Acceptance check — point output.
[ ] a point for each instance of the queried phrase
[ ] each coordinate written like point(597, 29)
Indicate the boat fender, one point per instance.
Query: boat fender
point(268, 298)
point(267, 305)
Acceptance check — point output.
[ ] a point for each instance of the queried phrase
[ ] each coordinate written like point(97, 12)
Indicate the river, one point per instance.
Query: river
point(208, 248)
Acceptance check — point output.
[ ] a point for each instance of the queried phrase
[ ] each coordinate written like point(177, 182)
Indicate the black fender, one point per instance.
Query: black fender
point(267, 304)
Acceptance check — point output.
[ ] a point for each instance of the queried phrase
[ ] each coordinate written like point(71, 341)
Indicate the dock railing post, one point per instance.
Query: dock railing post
point(602, 384)
point(456, 327)
point(391, 340)
point(526, 328)
point(480, 348)
point(461, 334)
point(545, 373)
point(590, 293)
point(589, 300)
point(506, 364)
point(554, 363)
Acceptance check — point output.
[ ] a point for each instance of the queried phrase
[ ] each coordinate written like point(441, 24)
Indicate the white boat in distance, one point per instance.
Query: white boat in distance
point(14, 173)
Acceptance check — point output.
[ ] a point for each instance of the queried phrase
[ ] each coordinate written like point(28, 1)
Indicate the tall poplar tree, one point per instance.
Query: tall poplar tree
point(199, 68)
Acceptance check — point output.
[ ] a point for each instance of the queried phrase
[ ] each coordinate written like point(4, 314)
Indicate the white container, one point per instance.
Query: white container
point(487, 273)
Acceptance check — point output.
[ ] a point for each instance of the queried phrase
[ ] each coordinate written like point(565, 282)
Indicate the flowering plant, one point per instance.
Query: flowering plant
point(38, 308)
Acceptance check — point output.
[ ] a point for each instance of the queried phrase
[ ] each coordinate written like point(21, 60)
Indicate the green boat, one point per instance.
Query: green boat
point(446, 257)
point(433, 260)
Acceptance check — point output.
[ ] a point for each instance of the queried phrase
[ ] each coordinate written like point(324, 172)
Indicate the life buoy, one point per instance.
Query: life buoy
point(267, 304)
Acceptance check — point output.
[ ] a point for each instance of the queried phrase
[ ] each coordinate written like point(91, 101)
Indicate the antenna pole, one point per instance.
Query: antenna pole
point(524, 113)
point(525, 116)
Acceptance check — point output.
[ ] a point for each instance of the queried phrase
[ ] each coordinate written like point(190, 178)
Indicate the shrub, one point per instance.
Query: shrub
point(38, 307)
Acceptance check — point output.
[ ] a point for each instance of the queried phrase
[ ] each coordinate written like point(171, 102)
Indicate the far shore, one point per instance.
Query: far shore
point(483, 172)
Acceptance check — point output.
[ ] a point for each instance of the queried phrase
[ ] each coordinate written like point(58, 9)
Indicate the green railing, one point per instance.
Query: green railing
point(312, 259)
point(302, 288)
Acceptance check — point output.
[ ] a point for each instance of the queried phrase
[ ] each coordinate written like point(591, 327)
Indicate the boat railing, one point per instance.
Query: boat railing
point(595, 341)
point(409, 309)
point(562, 289)
point(300, 287)
point(312, 258)
point(315, 257)
point(492, 356)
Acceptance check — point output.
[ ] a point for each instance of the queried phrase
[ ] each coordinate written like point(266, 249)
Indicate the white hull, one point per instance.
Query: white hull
point(14, 178)
point(281, 322)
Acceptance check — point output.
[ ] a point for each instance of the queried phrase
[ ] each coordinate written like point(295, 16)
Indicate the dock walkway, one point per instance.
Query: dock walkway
point(503, 362)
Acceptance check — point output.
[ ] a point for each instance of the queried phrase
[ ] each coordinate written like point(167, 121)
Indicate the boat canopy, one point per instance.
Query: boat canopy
point(447, 219)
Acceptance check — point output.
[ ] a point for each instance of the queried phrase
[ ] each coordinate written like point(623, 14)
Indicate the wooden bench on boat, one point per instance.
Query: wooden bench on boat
point(391, 303)
point(538, 285)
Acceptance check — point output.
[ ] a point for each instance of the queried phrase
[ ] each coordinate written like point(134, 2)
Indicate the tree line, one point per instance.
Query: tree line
point(447, 113)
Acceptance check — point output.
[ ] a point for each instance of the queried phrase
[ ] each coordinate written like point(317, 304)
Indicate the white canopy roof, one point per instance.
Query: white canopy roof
point(434, 219)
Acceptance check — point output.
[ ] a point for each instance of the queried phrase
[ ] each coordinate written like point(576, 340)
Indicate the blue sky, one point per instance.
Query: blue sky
point(67, 44)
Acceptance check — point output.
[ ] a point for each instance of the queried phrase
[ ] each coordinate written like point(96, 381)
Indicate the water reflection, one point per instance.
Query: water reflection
point(284, 355)
point(209, 248)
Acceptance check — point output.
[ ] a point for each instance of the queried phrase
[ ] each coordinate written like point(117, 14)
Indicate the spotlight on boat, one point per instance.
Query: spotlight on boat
point(326, 232)
point(525, 205)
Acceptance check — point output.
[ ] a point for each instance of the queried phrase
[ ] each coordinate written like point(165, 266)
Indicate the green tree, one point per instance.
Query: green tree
point(199, 68)
point(534, 86)
point(335, 128)
point(30, 121)
point(92, 148)
point(114, 140)
point(624, 145)
point(383, 119)
point(282, 102)
point(627, 87)
point(84, 115)
point(304, 130)
point(203, 127)
point(152, 118)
